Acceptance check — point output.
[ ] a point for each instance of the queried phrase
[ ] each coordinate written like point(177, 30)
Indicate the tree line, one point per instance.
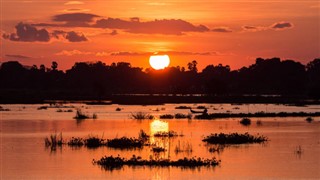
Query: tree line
point(97, 80)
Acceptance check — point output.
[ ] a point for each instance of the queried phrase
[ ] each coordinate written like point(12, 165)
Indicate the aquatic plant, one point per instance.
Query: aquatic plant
point(259, 123)
point(54, 140)
point(4, 109)
point(166, 116)
point(166, 134)
point(125, 143)
point(141, 116)
point(158, 149)
point(185, 148)
point(118, 109)
point(94, 116)
point(42, 108)
point(217, 149)
point(182, 116)
point(80, 115)
point(183, 107)
point(143, 135)
point(233, 138)
point(201, 107)
point(245, 121)
point(309, 119)
point(76, 141)
point(258, 114)
point(110, 162)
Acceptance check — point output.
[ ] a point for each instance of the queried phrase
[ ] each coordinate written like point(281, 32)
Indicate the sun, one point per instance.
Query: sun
point(159, 61)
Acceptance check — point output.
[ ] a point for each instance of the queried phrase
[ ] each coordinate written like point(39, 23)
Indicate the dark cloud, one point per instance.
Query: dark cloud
point(17, 56)
point(75, 19)
point(114, 32)
point(28, 33)
point(282, 25)
point(75, 37)
point(126, 53)
point(221, 29)
point(164, 26)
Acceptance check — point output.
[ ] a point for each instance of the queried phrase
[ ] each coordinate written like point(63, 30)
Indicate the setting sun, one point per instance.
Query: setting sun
point(159, 61)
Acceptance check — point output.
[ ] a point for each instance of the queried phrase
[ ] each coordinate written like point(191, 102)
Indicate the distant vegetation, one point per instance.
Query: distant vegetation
point(96, 80)
point(233, 138)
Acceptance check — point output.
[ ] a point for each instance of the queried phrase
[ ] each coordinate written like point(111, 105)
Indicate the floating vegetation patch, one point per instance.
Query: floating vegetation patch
point(309, 119)
point(54, 141)
point(167, 134)
point(245, 121)
point(258, 114)
point(201, 107)
point(183, 107)
point(118, 109)
point(4, 109)
point(158, 149)
point(141, 116)
point(125, 143)
point(233, 138)
point(184, 147)
point(176, 116)
point(110, 162)
point(68, 110)
point(80, 115)
point(166, 116)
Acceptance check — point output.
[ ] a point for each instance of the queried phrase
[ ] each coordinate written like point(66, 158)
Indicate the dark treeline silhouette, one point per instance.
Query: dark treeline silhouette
point(96, 80)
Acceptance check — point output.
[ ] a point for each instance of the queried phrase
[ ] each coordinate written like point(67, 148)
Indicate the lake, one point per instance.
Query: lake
point(291, 152)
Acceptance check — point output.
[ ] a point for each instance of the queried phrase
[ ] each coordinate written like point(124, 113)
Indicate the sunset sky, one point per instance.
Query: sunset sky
point(231, 32)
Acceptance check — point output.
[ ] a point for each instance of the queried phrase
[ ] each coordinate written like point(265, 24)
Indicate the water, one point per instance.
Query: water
point(24, 155)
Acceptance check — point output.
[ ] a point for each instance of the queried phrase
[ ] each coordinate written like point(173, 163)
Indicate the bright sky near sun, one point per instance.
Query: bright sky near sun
point(231, 32)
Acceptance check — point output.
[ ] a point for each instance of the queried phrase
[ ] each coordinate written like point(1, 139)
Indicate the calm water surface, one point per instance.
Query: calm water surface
point(24, 155)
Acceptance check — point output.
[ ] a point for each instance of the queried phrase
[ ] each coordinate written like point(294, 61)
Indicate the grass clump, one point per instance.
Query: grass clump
point(183, 107)
point(183, 116)
point(110, 162)
point(166, 116)
point(233, 138)
point(125, 143)
point(76, 141)
point(54, 140)
point(166, 134)
point(158, 149)
point(80, 115)
point(93, 142)
point(141, 116)
point(185, 147)
point(245, 121)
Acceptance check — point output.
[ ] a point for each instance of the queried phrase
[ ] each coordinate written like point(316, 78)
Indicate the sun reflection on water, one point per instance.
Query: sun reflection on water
point(162, 142)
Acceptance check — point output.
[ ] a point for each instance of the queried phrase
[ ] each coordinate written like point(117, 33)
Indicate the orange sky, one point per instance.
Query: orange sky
point(231, 32)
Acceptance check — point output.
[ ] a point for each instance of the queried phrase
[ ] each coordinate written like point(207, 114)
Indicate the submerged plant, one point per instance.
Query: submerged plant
point(54, 140)
point(309, 119)
point(80, 115)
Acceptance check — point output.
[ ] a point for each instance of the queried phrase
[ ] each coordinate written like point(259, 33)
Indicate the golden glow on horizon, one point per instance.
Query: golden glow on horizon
point(159, 61)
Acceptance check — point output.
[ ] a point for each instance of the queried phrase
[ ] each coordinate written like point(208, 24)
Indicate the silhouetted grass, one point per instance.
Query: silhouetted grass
point(258, 114)
point(166, 134)
point(93, 142)
point(125, 143)
point(80, 115)
point(233, 138)
point(158, 149)
point(166, 116)
point(110, 162)
point(176, 116)
point(76, 141)
point(54, 140)
point(183, 107)
point(185, 147)
point(141, 116)
point(245, 121)
point(4, 109)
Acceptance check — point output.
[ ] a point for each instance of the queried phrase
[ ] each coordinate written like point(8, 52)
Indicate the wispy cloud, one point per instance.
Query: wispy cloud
point(282, 25)
point(73, 3)
point(221, 29)
point(276, 26)
point(72, 53)
point(17, 56)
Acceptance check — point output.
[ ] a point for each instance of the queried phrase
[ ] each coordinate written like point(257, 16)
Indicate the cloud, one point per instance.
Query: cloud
point(73, 3)
point(72, 53)
point(172, 53)
point(72, 10)
point(74, 19)
point(221, 29)
point(114, 32)
point(164, 26)
point(28, 33)
point(253, 28)
point(17, 56)
point(75, 37)
point(282, 25)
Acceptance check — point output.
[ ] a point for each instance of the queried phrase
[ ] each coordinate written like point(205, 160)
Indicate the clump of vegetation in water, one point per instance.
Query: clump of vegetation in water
point(176, 116)
point(143, 135)
point(185, 147)
point(54, 140)
point(118, 109)
point(233, 138)
point(125, 143)
point(93, 142)
point(257, 114)
point(60, 110)
point(141, 116)
point(201, 107)
point(183, 107)
point(80, 115)
point(166, 116)
point(245, 121)
point(76, 141)
point(309, 119)
point(217, 149)
point(158, 149)
point(259, 123)
point(4, 109)
point(166, 134)
point(42, 108)
point(183, 116)
point(110, 162)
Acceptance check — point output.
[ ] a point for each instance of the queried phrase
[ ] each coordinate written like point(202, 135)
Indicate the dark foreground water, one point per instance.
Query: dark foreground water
point(292, 152)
